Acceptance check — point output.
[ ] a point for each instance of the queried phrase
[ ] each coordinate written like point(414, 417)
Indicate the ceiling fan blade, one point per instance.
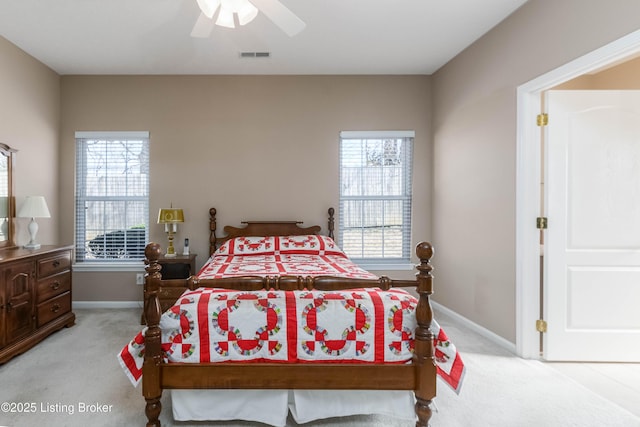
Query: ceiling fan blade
point(208, 7)
point(203, 27)
point(280, 15)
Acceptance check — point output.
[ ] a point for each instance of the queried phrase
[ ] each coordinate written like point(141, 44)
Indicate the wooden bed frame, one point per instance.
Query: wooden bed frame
point(419, 375)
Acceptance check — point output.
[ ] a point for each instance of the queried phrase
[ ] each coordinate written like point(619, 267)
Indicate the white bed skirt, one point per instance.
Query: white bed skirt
point(272, 406)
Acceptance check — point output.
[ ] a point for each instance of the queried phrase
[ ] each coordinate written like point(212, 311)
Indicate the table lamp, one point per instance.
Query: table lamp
point(34, 207)
point(170, 218)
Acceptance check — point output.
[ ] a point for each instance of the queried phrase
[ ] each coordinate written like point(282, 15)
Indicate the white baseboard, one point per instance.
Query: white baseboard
point(106, 304)
point(481, 330)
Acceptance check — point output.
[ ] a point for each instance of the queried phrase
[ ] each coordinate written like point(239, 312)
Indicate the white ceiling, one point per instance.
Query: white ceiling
point(341, 36)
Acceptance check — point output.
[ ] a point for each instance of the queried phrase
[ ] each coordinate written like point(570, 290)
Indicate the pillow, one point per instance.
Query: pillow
point(309, 244)
point(253, 245)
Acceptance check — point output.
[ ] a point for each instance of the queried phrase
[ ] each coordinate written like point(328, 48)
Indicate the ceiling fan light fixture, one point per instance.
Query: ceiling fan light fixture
point(208, 7)
point(246, 13)
point(225, 18)
point(223, 13)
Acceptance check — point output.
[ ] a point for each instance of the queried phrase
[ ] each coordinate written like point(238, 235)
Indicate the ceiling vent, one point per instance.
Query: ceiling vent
point(255, 54)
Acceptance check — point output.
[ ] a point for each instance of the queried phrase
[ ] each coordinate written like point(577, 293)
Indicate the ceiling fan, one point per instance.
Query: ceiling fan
point(245, 11)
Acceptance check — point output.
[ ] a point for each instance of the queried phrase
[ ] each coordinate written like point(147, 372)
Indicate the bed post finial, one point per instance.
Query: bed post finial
point(425, 251)
point(152, 253)
point(423, 355)
point(331, 221)
point(212, 227)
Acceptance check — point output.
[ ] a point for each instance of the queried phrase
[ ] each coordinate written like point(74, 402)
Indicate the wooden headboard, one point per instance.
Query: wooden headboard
point(263, 228)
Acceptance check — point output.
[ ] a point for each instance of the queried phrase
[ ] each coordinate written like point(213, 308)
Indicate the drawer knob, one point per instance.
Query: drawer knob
point(54, 285)
point(55, 308)
point(56, 263)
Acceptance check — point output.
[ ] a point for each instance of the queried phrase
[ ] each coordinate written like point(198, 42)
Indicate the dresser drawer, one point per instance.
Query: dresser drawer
point(53, 285)
point(54, 264)
point(55, 307)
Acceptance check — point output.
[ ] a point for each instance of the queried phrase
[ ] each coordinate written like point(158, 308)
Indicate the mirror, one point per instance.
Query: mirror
point(7, 207)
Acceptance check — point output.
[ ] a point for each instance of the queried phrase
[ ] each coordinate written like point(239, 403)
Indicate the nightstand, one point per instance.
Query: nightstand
point(175, 270)
point(178, 267)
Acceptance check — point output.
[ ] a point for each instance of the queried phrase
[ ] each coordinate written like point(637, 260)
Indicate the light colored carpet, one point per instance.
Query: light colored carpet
point(77, 366)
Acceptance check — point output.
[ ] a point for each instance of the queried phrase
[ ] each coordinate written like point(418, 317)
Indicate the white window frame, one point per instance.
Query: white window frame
point(402, 262)
point(105, 264)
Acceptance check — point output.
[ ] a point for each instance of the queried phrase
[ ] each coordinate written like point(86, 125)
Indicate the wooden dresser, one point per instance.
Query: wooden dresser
point(35, 296)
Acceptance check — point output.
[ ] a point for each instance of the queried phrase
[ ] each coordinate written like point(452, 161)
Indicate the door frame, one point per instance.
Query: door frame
point(528, 165)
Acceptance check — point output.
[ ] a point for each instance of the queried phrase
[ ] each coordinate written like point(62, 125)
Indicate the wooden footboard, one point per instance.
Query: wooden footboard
point(420, 375)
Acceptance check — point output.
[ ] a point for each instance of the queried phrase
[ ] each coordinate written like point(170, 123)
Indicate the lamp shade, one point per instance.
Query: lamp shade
point(170, 216)
point(34, 207)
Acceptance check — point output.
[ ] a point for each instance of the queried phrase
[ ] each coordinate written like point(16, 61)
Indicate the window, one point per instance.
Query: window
point(112, 195)
point(375, 196)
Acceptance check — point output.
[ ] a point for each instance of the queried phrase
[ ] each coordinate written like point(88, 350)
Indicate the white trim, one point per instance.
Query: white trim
point(480, 330)
point(112, 134)
point(528, 182)
point(364, 134)
point(93, 267)
point(105, 304)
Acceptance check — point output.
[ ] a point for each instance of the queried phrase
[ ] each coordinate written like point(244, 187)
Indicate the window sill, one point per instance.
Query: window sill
point(136, 266)
point(386, 267)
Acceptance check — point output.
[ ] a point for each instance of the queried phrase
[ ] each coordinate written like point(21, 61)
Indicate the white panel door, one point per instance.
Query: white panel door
point(592, 255)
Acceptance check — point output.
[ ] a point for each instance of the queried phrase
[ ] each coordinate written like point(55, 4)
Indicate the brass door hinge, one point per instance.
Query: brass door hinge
point(542, 119)
point(541, 222)
point(541, 325)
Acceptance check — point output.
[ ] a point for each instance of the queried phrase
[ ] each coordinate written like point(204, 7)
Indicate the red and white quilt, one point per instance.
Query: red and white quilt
point(355, 326)
point(308, 255)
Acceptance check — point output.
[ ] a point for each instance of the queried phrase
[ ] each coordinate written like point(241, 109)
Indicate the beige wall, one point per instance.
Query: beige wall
point(474, 125)
point(624, 76)
point(254, 147)
point(215, 138)
point(29, 122)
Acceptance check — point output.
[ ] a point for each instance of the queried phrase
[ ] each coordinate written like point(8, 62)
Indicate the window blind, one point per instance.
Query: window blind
point(112, 195)
point(375, 195)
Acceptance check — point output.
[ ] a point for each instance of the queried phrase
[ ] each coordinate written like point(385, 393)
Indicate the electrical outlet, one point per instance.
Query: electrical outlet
point(140, 279)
